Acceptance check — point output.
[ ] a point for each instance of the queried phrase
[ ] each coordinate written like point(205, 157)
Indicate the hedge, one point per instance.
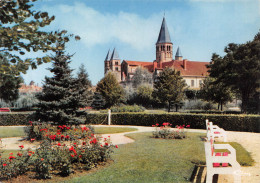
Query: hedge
point(15, 118)
point(245, 123)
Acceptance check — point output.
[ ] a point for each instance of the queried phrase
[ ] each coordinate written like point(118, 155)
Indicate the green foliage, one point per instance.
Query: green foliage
point(83, 87)
point(59, 99)
point(141, 76)
point(215, 92)
point(15, 119)
point(58, 156)
point(22, 30)
point(110, 89)
point(166, 132)
point(26, 102)
point(127, 108)
point(169, 87)
point(244, 123)
point(98, 101)
point(239, 69)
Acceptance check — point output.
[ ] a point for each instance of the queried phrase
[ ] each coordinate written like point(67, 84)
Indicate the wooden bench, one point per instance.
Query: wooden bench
point(221, 163)
point(5, 110)
point(214, 131)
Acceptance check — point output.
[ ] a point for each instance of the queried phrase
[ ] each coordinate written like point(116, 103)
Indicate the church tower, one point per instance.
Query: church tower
point(163, 45)
point(178, 55)
point(107, 62)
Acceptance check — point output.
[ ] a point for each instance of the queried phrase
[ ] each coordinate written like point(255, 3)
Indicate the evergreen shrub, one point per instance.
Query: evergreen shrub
point(127, 108)
point(245, 123)
point(15, 118)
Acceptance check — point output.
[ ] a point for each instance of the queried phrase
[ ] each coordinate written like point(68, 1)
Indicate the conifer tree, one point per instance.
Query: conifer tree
point(59, 100)
point(84, 87)
point(110, 89)
point(98, 101)
point(169, 87)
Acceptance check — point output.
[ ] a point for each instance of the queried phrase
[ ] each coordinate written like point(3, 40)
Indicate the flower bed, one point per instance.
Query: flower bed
point(165, 131)
point(62, 150)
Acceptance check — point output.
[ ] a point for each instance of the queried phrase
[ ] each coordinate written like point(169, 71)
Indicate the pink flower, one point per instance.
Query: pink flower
point(188, 126)
point(116, 146)
point(157, 124)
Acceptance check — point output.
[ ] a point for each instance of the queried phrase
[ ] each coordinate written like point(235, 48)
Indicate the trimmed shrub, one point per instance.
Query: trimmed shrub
point(127, 108)
point(15, 119)
point(246, 123)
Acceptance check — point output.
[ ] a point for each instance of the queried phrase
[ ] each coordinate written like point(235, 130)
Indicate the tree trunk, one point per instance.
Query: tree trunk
point(221, 106)
point(176, 106)
point(169, 107)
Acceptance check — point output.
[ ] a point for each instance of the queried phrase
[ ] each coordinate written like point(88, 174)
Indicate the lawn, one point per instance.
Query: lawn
point(6, 131)
point(151, 160)
point(111, 130)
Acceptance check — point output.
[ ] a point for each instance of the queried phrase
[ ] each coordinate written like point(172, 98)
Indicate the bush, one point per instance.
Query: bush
point(166, 132)
point(63, 149)
point(15, 119)
point(246, 123)
point(127, 108)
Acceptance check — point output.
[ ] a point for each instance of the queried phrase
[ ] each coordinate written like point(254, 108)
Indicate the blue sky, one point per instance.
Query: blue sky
point(198, 27)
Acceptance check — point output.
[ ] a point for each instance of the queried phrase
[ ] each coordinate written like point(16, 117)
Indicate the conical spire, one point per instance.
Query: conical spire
point(164, 36)
point(108, 57)
point(115, 55)
point(178, 52)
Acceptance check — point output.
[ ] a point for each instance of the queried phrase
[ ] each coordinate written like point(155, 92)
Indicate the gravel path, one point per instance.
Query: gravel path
point(251, 141)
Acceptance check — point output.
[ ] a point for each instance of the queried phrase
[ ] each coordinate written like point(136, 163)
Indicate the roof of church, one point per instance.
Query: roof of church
point(193, 68)
point(115, 55)
point(164, 36)
point(108, 57)
point(29, 88)
point(178, 53)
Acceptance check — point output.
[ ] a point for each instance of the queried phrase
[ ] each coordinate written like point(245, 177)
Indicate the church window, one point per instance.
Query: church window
point(192, 82)
point(116, 63)
point(116, 68)
point(157, 48)
point(200, 81)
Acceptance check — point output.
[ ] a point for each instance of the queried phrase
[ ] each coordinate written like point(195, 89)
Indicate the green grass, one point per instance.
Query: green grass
point(111, 130)
point(151, 160)
point(11, 131)
point(243, 156)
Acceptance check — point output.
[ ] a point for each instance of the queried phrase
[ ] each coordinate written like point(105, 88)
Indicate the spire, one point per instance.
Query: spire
point(108, 57)
point(178, 52)
point(115, 55)
point(164, 36)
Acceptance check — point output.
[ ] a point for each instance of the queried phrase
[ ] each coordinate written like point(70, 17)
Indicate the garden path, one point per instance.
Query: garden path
point(251, 141)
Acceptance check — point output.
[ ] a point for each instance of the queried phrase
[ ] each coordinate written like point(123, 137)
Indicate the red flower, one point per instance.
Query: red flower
point(11, 153)
point(67, 137)
point(72, 155)
point(101, 146)
point(80, 156)
point(19, 154)
point(153, 125)
point(42, 159)
point(21, 146)
point(62, 137)
point(157, 124)
point(30, 123)
point(71, 148)
point(11, 157)
point(106, 144)
point(4, 164)
point(59, 144)
point(32, 140)
point(116, 146)
point(29, 154)
point(188, 126)
point(83, 143)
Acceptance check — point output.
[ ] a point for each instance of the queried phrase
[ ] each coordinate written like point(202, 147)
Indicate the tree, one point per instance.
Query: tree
point(98, 101)
point(83, 86)
point(144, 95)
point(169, 87)
point(142, 76)
point(239, 69)
point(21, 31)
point(217, 93)
point(59, 100)
point(110, 89)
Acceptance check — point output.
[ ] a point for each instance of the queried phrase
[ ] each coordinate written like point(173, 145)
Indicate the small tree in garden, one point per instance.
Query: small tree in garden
point(98, 101)
point(110, 89)
point(83, 87)
point(169, 87)
point(59, 100)
point(142, 76)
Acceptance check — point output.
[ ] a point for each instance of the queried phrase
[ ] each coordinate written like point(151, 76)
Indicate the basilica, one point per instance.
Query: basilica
point(193, 72)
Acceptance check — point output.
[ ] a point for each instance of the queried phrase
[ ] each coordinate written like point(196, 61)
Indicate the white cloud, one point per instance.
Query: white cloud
point(96, 28)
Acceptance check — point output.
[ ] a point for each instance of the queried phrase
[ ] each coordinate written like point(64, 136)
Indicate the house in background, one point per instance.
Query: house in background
point(29, 89)
point(193, 72)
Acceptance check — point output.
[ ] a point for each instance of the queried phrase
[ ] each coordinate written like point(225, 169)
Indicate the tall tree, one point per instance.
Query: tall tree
point(217, 93)
point(142, 76)
point(144, 95)
point(22, 31)
point(83, 86)
point(110, 89)
point(239, 68)
point(59, 101)
point(169, 87)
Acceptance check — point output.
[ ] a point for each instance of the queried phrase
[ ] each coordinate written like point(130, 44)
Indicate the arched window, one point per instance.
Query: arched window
point(192, 82)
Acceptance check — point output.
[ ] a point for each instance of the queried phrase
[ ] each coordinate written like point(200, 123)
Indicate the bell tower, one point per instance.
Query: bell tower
point(163, 45)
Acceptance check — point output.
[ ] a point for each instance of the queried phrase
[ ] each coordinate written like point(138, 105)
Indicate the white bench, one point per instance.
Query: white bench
point(214, 131)
point(221, 163)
